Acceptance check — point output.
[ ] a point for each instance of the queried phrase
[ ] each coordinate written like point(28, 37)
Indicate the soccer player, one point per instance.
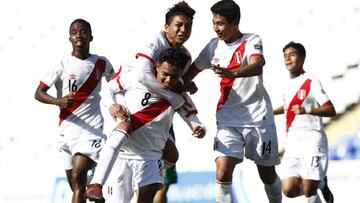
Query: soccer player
point(178, 24)
point(305, 160)
point(77, 78)
point(244, 113)
point(151, 116)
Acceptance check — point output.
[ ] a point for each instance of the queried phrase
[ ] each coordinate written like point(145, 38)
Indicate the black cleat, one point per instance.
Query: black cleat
point(327, 194)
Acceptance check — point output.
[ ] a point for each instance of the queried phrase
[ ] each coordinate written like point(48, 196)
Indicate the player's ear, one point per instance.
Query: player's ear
point(166, 26)
point(91, 38)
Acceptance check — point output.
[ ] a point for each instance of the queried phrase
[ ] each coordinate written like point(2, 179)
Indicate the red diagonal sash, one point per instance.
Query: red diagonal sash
point(298, 99)
point(86, 89)
point(227, 83)
point(148, 114)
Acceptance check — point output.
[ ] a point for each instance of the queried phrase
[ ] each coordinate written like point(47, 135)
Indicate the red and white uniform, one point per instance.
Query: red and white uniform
point(243, 101)
point(81, 79)
point(146, 62)
point(151, 118)
point(305, 91)
point(244, 112)
point(306, 140)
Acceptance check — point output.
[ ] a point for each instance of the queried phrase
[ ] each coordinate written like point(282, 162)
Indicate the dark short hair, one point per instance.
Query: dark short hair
point(227, 8)
point(181, 8)
point(174, 56)
point(79, 20)
point(298, 46)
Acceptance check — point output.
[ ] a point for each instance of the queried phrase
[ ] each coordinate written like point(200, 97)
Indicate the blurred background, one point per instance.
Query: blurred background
point(34, 35)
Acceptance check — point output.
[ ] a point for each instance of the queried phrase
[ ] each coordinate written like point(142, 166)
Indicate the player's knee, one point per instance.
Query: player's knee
point(78, 179)
point(170, 152)
point(290, 192)
point(223, 175)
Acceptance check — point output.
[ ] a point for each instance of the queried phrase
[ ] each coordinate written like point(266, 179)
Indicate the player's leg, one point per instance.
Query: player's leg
point(261, 146)
point(81, 165)
point(146, 194)
point(160, 196)
point(292, 186)
point(224, 170)
point(310, 190)
point(147, 178)
point(314, 171)
point(272, 183)
point(325, 190)
point(170, 177)
point(170, 153)
point(229, 152)
point(118, 188)
point(108, 156)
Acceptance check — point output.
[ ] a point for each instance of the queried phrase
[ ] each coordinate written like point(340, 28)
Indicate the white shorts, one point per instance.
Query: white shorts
point(256, 143)
point(311, 168)
point(88, 144)
point(127, 176)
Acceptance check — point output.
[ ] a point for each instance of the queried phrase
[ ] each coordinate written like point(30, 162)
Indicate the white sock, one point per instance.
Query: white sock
point(223, 192)
point(273, 191)
point(313, 199)
point(108, 155)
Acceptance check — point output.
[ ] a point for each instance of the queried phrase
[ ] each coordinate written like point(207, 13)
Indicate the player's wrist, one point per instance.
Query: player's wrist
point(307, 109)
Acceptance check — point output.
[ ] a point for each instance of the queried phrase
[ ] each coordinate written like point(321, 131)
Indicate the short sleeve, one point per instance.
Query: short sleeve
point(319, 93)
point(254, 46)
point(203, 61)
point(53, 74)
point(109, 69)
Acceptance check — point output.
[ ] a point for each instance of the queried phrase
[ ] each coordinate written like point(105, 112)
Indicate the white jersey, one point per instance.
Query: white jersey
point(147, 57)
point(150, 115)
point(306, 91)
point(81, 79)
point(244, 101)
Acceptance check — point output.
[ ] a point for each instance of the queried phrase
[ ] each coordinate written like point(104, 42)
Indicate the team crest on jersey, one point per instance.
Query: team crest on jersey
point(72, 77)
point(301, 94)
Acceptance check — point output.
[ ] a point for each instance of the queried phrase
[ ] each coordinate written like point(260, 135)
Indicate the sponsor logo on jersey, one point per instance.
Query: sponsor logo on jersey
point(72, 76)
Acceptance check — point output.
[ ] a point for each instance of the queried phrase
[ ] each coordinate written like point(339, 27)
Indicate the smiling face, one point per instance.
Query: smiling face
point(179, 30)
point(226, 31)
point(80, 37)
point(293, 61)
point(167, 75)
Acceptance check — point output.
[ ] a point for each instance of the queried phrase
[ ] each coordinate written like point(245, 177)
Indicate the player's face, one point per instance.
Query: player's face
point(80, 36)
point(225, 31)
point(179, 30)
point(167, 75)
point(293, 61)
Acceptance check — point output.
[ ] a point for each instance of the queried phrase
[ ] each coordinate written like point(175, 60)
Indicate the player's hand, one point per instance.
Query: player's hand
point(199, 132)
point(190, 87)
point(223, 72)
point(178, 87)
point(118, 111)
point(66, 102)
point(298, 110)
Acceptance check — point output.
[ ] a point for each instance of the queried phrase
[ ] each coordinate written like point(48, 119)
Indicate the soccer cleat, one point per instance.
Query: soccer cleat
point(94, 193)
point(327, 194)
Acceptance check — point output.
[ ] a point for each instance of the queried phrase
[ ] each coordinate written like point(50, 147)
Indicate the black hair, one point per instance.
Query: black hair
point(299, 47)
point(79, 20)
point(227, 8)
point(174, 56)
point(181, 8)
